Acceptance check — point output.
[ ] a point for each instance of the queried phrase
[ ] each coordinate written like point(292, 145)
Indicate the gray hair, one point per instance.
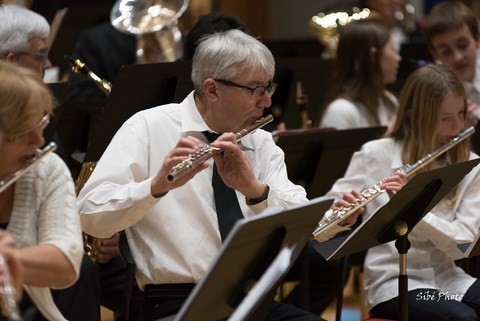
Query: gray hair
point(17, 26)
point(224, 55)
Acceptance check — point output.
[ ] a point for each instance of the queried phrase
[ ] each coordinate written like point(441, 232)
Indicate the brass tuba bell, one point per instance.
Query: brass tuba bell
point(155, 24)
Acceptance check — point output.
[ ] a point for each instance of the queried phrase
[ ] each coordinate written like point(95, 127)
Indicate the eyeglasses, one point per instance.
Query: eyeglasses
point(41, 125)
point(39, 54)
point(257, 92)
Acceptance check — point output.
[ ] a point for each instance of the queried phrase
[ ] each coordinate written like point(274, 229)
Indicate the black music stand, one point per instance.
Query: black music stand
point(397, 218)
point(313, 73)
point(249, 250)
point(138, 87)
point(59, 91)
point(317, 157)
point(73, 126)
point(471, 249)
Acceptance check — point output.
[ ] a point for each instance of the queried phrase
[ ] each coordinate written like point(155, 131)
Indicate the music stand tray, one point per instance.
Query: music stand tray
point(249, 250)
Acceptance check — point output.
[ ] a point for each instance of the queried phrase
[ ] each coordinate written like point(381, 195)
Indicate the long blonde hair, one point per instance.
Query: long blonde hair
point(419, 117)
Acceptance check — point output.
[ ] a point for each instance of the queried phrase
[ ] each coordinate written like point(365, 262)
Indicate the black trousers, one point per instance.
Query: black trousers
point(150, 308)
point(320, 280)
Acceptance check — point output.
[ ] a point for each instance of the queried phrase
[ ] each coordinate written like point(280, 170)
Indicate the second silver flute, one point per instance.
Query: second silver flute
point(332, 217)
point(207, 151)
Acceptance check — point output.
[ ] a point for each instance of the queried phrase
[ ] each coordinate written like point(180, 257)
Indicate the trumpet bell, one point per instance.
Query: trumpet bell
point(144, 16)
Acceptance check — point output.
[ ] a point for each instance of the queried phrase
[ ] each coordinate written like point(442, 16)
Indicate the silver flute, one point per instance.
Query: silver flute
point(207, 151)
point(332, 217)
point(4, 184)
point(8, 302)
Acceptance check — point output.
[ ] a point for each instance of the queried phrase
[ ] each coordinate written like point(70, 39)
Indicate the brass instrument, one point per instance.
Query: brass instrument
point(91, 245)
point(79, 66)
point(405, 17)
point(326, 26)
point(332, 217)
point(8, 302)
point(39, 155)
point(207, 151)
point(301, 100)
point(155, 24)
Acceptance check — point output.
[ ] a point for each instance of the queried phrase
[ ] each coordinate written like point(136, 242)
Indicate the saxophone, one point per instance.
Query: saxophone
point(332, 217)
point(79, 66)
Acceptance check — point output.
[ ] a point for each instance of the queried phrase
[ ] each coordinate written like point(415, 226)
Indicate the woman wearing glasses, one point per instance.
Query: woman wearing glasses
point(366, 62)
point(39, 209)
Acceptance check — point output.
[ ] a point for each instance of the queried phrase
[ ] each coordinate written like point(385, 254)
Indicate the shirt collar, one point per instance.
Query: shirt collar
point(192, 121)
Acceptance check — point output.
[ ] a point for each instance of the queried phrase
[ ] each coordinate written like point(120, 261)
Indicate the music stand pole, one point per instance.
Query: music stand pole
point(402, 244)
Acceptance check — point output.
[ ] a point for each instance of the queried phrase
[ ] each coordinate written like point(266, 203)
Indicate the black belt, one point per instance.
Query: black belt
point(168, 290)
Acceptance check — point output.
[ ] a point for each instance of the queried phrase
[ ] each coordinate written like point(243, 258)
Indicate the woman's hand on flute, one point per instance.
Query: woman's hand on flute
point(346, 201)
point(393, 183)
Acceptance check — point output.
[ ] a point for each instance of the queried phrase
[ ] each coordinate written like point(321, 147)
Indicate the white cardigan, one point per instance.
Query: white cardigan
point(45, 212)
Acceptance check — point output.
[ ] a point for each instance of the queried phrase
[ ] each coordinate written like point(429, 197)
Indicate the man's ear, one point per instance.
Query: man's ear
point(477, 40)
point(210, 88)
point(10, 56)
